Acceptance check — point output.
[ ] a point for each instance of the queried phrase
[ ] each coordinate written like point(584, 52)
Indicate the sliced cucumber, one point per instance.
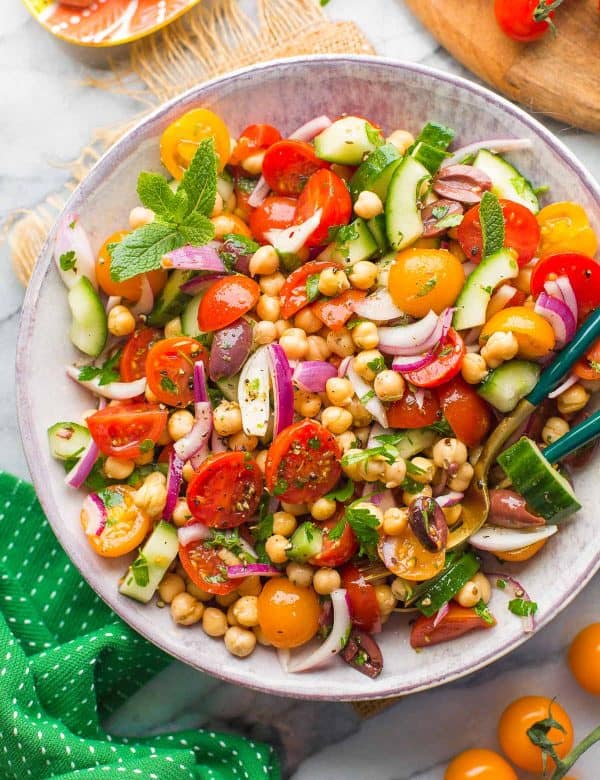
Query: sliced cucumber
point(89, 328)
point(362, 247)
point(225, 185)
point(402, 215)
point(189, 319)
point(507, 181)
point(146, 572)
point(67, 439)
point(504, 387)
point(473, 300)
point(229, 387)
point(171, 302)
point(545, 490)
point(375, 173)
point(306, 541)
point(377, 228)
point(347, 141)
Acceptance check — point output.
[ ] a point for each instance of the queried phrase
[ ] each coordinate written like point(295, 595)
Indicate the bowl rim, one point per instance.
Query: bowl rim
point(109, 162)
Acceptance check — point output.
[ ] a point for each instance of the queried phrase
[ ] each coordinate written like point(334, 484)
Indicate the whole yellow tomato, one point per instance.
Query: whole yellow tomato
point(288, 615)
point(423, 279)
point(179, 142)
point(534, 333)
point(565, 227)
point(479, 764)
point(584, 658)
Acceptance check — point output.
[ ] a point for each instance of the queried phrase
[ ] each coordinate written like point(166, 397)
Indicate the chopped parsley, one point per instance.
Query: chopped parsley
point(439, 212)
point(167, 384)
point(501, 584)
point(280, 487)
point(427, 287)
point(365, 526)
point(234, 247)
point(481, 609)
point(522, 607)
point(452, 220)
point(377, 364)
point(412, 469)
point(364, 399)
point(110, 498)
point(147, 445)
point(106, 373)
point(312, 287)
point(139, 569)
point(594, 365)
point(373, 134)
point(68, 261)
point(343, 492)
point(354, 322)
point(314, 443)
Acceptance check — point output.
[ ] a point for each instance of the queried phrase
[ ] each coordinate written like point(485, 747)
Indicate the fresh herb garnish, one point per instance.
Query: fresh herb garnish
point(314, 443)
point(377, 364)
point(312, 287)
point(439, 212)
point(491, 219)
point(365, 526)
point(235, 245)
point(146, 445)
point(426, 288)
point(343, 492)
point(452, 220)
point(522, 607)
point(501, 584)
point(481, 609)
point(373, 135)
point(107, 372)
point(354, 322)
point(139, 569)
point(414, 470)
point(364, 399)
point(167, 384)
point(280, 487)
point(68, 261)
point(342, 235)
point(110, 498)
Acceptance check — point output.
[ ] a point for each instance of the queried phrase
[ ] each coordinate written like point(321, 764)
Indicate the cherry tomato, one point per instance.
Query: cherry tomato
point(520, 716)
point(288, 615)
point(458, 621)
point(293, 293)
point(533, 332)
point(126, 525)
point(288, 165)
point(170, 369)
point(180, 141)
point(205, 569)
point(425, 279)
point(133, 357)
point(120, 429)
point(226, 300)
point(276, 211)
point(130, 288)
point(303, 463)
point(479, 764)
point(522, 554)
point(588, 367)
point(413, 412)
point(521, 232)
point(467, 413)
point(565, 228)
point(253, 139)
point(445, 366)
point(335, 312)
point(337, 551)
point(584, 658)
point(405, 556)
point(364, 608)
point(243, 187)
point(226, 490)
point(583, 272)
point(327, 192)
point(516, 19)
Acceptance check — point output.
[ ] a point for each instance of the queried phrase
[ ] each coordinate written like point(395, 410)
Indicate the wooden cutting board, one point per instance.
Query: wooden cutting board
point(558, 76)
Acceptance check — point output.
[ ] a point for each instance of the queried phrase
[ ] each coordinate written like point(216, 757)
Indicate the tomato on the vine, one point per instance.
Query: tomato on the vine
point(584, 658)
point(521, 232)
point(524, 20)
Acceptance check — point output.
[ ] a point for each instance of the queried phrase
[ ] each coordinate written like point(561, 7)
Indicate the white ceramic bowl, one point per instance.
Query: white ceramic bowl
point(287, 93)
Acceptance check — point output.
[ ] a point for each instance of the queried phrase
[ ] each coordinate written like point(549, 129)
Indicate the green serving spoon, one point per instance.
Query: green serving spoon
point(476, 502)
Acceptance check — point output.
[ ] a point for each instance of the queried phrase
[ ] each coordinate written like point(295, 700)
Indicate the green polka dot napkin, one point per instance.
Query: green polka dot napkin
point(66, 661)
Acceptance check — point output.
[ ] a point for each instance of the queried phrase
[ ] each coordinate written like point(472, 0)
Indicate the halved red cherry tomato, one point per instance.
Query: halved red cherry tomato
point(583, 273)
point(521, 232)
point(276, 211)
point(588, 367)
point(293, 293)
point(335, 312)
point(414, 412)
point(133, 357)
point(364, 608)
point(226, 490)
point(120, 429)
point(445, 366)
point(226, 300)
point(335, 552)
point(253, 139)
point(170, 369)
point(457, 622)
point(288, 165)
point(516, 19)
point(303, 463)
point(467, 413)
point(327, 192)
point(205, 569)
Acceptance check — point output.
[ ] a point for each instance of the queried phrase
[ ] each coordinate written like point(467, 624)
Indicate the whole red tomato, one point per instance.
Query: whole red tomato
point(525, 20)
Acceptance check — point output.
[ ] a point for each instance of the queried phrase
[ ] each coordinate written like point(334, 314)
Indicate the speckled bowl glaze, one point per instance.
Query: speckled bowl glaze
point(287, 93)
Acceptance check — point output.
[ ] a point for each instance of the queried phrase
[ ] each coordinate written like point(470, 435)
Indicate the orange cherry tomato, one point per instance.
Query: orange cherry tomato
point(534, 333)
point(288, 165)
point(205, 569)
point(170, 369)
point(425, 279)
point(458, 621)
point(293, 293)
point(521, 232)
point(327, 192)
point(226, 300)
point(522, 554)
point(275, 212)
point(446, 365)
point(588, 367)
point(564, 227)
point(520, 716)
point(133, 358)
point(130, 288)
point(126, 430)
point(253, 139)
point(288, 615)
point(479, 764)
point(335, 312)
point(126, 525)
point(409, 558)
point(584, 658)
point(467, 413)
point(180, 141)
point(410, 412)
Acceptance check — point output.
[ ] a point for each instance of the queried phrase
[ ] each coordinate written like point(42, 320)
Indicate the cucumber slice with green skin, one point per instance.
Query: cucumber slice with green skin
point(435, 134)
point(67, 440)
point(347, 141)
point(545, 490)
point(229, 387)
point(189, 320)
point(375, 173)
point(306, 541)
point(447, 584)
point(429, 156)
point(402, 214)
point(352, 251)
point(89, 328)
point(171, 301)
point(377, 228)
point(507, 181)
point(414, 441)
point(473, 300)
point(146, 572)
point(504, 387)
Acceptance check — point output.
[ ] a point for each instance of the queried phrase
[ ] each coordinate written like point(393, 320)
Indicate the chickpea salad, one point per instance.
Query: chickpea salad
point(298, 348)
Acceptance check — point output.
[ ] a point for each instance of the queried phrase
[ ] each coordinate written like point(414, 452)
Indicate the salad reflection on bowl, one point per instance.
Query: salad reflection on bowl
point(298, 348)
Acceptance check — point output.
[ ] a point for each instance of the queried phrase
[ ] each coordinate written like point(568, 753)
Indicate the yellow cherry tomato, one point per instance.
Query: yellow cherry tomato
point(522, 554)
point(288, 615)
point(130, 288)
point(584, 658)
point(126, 525)
point(520, 716)
point(409, 559)
point(179, 142)
point(479, 764)
point(534, 334)
point(565, 227)
point(424, 279)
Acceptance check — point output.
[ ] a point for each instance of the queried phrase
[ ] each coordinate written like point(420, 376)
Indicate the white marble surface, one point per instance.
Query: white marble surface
point(46, 115)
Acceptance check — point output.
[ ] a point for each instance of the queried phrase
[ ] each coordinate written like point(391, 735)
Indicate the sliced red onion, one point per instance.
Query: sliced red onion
point(384, 499)
point(194, 532)
point(114, 300)
point(495, 538)
point(283, 389)
point(72, 237)
point(312, 375)
point(367, 397)
point(571, 380)
point(174, 478)
point(515, 590)
point(253, 393)
point(388, 552)
point(291, 240)
point(496, 145)
point(200, 386)
point(96, 514)
point(146, 300)
point(116, 391)
point(190, 444)
point(559, 315)
point(450, 499)
point(404, 364)
point(80, 471)
point(409, 340)
point(248, 569)
point(194, 258)
point(553, 289)
point(441, 614)
point(376, 430)
point(499, 300)
point(311, 129)
point(343, 366)
point(216, 443)
point(259, 193)
point(568, 295)
point(336, 640)
point(419, 397)
point(468, 268)
point(199, 283)
point(378, 307)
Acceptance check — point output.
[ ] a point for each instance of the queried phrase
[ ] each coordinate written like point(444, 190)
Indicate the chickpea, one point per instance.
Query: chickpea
point(276, 548)
point(301, 574)
point(265, 332)
point(307, 404)
point(401, 139)
point(463, 478)
point(368, 205)
point(170, 586)
point(181, 513)
point(554, 428)
point(353, 470)
point(264, 261)
point(499, 347)
point(121, 321)
point(363, 275)
point(346, 441)
point(423, 471)
point(336, 419)
point(218, 207)
point(372, 509)
point(242, 442)
point(365, 335)
point(260, 637)
point(198, 593)
point(173, 328)
point(151, 497)
point(367, 363)
point(394, 473)
point(323, 509)
point(239, 641)
point(307, 321)
point(230, 203)
point(223, 225)
point(229, 558)
point(227, 599)
point(573, 399)
point(317, 348)
point(253, 163)
point(245, 611)
point(333, 281)
point(326, 580)
point(227, 418)
point(452, 514)
point(339, 390)
point(250, 586)
point(281, 327)
point(271, 284)
point(395, 520)
point(294, 509)
point(408, 498)
point(360, 415)
point(294, 344)
point(402, 589)
point(150, 397)
point(474, 368)
point(468, 595)
point(214, 622)
point(188, 472)
point(483, 585)
point(340, 342)
point(389, 385)
point(373, 470)
point(284, 523)
point(231, 618)
point(261, 460)
point(268, 308)
point(180, 424)
point(386, 601)
point(139, 216)
point(186, 610)
point(118, 468)
point(523, 280)
point(448, 452)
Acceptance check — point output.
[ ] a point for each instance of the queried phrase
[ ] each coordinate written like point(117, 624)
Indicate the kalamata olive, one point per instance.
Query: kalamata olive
point(461, 182)
point(235, 255)
point(428, 523)
point(230, 348)
point(509, 510)
point(363, 653)
point(436, 213)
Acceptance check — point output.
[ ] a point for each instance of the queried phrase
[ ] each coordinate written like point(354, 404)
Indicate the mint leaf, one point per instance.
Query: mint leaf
point(155, 194)
point(199, 182)
point(492, 224)
point(142, 250)
point(452, 220)
point(197, 230)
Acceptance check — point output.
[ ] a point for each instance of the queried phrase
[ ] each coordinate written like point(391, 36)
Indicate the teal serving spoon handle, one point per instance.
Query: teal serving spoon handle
point(587, 334)
point(577, 437)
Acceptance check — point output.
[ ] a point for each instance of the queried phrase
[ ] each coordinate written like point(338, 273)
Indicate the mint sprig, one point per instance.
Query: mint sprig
point(491, 219)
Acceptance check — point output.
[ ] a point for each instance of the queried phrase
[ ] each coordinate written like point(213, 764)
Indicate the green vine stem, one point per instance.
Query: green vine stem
point(563, 766)
point(544, 9)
